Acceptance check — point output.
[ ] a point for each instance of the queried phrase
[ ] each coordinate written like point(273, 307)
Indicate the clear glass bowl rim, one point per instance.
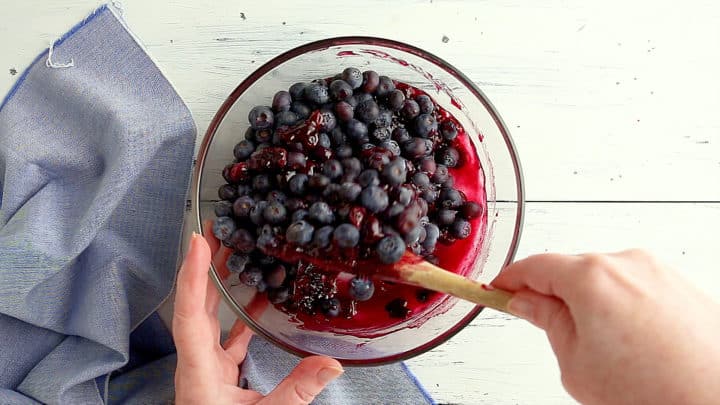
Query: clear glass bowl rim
point(321, 45)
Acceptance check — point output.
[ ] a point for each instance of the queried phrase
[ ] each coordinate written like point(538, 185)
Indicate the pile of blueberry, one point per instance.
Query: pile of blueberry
point(350, 168)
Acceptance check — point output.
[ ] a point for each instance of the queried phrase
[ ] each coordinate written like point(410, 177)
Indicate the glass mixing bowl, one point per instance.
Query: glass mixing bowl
point(451, 90)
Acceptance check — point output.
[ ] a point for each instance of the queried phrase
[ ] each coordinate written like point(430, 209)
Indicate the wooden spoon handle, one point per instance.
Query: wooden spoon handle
point(427, 275)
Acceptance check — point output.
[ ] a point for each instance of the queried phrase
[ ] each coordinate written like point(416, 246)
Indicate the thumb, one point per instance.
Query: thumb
point(545, 312)
point(305, 382)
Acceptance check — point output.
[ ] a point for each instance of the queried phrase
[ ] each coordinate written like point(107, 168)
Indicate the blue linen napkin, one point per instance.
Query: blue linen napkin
point(95, 155)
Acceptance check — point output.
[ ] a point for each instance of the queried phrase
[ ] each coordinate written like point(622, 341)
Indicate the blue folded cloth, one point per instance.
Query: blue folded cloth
point(95, 155)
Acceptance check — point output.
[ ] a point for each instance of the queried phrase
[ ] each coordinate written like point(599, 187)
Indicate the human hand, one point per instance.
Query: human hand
point(625, 328)
point(208, 372)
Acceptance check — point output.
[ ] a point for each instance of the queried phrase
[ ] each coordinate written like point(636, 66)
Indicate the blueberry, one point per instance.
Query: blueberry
point(346, 236)
point(242, 206)
point(301, 109)
point(401, 135)
point(349, 192)
point(446, 217)
point(251, 276)
point(344, 111)
point(384, 119)
point(396, 100)
point(395, 172)
point(378, 160)
point(297, 90)
point(449, 157)
point(285, 118)
point(223, 227)
point(391, 146)
point(369, 177)
point(256, 212)
point(390, 249)
point(426, 104)
point(244, 241)
point(298, 183)
point(223, 208)
point(427, 165)
point(236, 262)
point(316, 93)
point(318, 181)
point(471, 209)
point(324, 141)
point(275, 276)
point(299, 233)
point(352, 166)
point(293, 204)
point(397, 308)
point(353, 77)
point(460, 229)
point(261, 117)
point(322, 236)
point(337, 137)
point(356, 130)
point(395, 210)
point(250, 134)
point(410, 109)
point(429, 194)
point(275, 213)
point(451, 198)
point(277, 196)
point(227, 192)
point(263, 136)
point(344, 151)
point(374, 199)
point(361, 289)
point(371, 80)
point(441, 174)
point(278, 295)
point(327, 121)
point(340, 90)
point(425, 125)
point(417, 148)
point(261, 183)
point(330, 307)
point(432, 233)
point(413, 236)
point(281, 101)
point(243, 150)
point(421, 180)
point(321, 213)
point(299, 215)
point(385, 86)
point(448, 130)
point(449, 182)
point(405, 195)
point(367, 111)
point(332, 168)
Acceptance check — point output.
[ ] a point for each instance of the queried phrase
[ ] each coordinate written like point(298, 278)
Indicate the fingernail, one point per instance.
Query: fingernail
point(520, 307)
point(194, 235)
point(328, 374)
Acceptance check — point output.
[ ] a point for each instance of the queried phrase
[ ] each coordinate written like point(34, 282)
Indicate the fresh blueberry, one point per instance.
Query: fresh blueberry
point(460, 229)
point(324, 141)
point(275, 213)
point(251, 276)
point(441, 174)
point(301, 109)
point(223, 227)
point(332, 168)
point(367, 111)
point(281, 101)
point(361, 288)
point(396, 100)
point(383, 120)
point(263, 137)
point(426, 104)
point(227, 192)
point(449, 182)
point(417, 148)
point(378, 160)
point(353, 77)
point(261, 183)
point(346, 236)
point(244, 241)
point(401, 135)
point(429, 194)
point(374, 199)
point(340, 90)
point(446, 217)
point(286, 118)
point(352, 166)
point(369, 177)
point(243, 189)
point(395, 172)
point(243, 150)
point(449, 157)
point(277, 196)
point(350, 191)
point(405, 195)
point(395, 210)
point(278, 295)
point(337, 137)
point(299, 215)
point(371, 80)
point(452, 198)
point(236, 262)
point(261, 117)
point(327, 121)
point(413, 236)
point(322, 237)
point(425, 125)
point(410, 109)
point(316, 93)
point(356, 130)
point(448, 130)
point(390, 249)
point(299, 233)
point(223, 208)
point(250, 134)
point(427, 165)
point(242, 206)
point(391, 146)
point(298, 183)
point(293, 204)
point(343, 151)
point(344, 111)
point(256, 213)
point(432, 233)
point(321, 213)
point(330, 307)
point(471, 209)
point(297, 90)
point(275, 276)
point(421, 180)
point(318, 181)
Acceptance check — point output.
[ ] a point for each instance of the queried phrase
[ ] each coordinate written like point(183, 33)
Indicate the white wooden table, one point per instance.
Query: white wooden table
point(614, 107)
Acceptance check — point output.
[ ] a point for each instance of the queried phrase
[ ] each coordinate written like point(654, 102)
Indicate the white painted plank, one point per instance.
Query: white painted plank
point(609, 100)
